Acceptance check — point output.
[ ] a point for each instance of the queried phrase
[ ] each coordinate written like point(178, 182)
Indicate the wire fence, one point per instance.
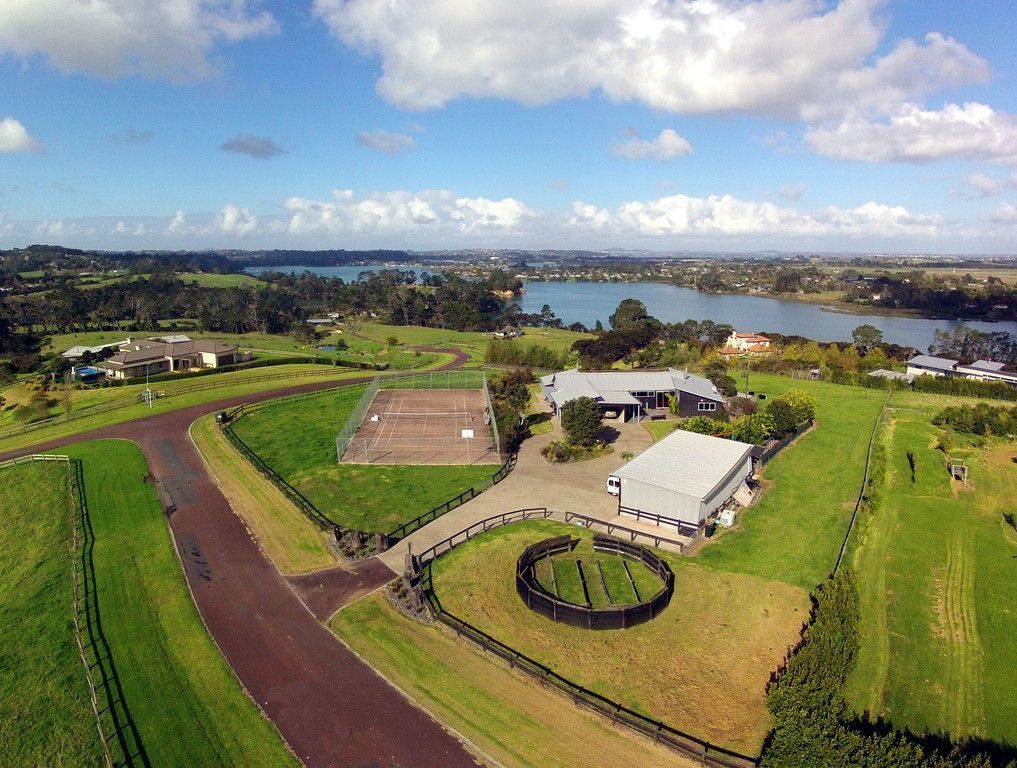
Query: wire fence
point(342, 440)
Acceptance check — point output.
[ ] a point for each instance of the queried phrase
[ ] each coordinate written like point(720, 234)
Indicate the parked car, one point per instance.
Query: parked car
point(613, 485)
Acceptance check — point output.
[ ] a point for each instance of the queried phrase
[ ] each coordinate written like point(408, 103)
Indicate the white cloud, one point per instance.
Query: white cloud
point(1005, 214)
point(171, 39)
point(236, 221)
point(788, 57)
point(15, 139)
point(434, 212)
point(386, 141)
point(667, 146)
point(989, 186)
point(558, 185)
point(915, 135)
point(727, 215)
point(177, 225)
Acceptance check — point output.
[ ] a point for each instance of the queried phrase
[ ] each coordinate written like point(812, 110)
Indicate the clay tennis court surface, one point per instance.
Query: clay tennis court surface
point(424, 426)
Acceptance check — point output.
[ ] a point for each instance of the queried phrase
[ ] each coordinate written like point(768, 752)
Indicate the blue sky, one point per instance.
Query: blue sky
point(716, 125)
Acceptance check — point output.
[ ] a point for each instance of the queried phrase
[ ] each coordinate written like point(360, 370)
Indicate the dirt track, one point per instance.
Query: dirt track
point(331, 708)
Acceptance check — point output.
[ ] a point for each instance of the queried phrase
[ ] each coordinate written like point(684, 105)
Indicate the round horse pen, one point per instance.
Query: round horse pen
point(538, 598)
point(443, 418)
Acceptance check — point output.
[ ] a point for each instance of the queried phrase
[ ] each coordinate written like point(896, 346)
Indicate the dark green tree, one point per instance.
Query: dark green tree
point(581, 419)
point(867, 337)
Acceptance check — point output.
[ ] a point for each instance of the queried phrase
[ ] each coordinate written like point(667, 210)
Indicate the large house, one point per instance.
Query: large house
point(979, 370)
point(170, 353)
point(634, 394)
point(742, 344)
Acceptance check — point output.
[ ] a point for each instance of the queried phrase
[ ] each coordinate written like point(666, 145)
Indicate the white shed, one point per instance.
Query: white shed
point(681, 480)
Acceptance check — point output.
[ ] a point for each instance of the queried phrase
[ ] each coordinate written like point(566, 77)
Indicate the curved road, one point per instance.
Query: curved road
point(332, 708)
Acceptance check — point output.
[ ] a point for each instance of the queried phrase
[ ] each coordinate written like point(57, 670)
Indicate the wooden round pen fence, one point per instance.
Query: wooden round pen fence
point(614, 617)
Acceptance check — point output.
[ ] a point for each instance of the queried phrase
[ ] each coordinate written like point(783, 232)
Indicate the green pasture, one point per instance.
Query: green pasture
point(45, 714)
point(667, 668)
point(936, 571)
point(208, 389)
point(614, 588)
point(186, 703)
point(297, 439)
point(473, 343)
point(795, 531)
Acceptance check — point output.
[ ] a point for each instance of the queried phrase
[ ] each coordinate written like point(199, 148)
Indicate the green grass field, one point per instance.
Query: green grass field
point(45, 714)
point(660, 429)
point(213, 388)
point(473, 343)
point(188, 707)
point(701, 666)
point(616, 587)
point(297, 439)
point(935, 563)
point(795, 531)
point(201, 279)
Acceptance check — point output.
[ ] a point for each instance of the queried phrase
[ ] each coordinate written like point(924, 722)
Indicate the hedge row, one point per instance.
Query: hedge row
point(813, 727)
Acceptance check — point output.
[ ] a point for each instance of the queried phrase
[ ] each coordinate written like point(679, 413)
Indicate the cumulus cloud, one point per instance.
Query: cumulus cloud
point(728, 215)
point(915, 135)
point(792, 192)
point(385, 141)
point(236, 221)
point(667, 146)
point(177, 225)
point(1005, 214)
point(400, 212)
point(259, 147)
point(685, 57)
point(167, 39)
point(14, 138)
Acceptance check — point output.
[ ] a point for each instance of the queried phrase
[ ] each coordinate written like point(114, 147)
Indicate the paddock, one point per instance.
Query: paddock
point(424, 426)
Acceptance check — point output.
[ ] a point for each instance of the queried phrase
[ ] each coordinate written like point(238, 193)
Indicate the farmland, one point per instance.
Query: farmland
point(935, 564)
point(297, 439)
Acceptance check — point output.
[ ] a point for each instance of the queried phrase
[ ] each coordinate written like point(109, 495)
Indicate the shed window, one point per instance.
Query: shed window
point(707, 406)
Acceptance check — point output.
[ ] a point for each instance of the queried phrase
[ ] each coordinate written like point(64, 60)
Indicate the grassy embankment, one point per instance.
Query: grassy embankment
point(518, 723)
point(935, 564)
point(45, 714)
point(288, 538)
point(297, 439)
point(214, 388)
point(188, 707)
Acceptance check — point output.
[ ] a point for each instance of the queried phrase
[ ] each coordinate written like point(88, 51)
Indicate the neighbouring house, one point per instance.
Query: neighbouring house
point(883, 373)
point(742, 344)
point(625, 395)
point(319, 321)
point(151, 356)
point(77, 352)
point(681, 480)
point(508, 332)
point(979, 370)
point(927, 365)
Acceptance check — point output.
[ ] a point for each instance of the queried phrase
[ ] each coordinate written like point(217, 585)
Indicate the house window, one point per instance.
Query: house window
point(707, 406)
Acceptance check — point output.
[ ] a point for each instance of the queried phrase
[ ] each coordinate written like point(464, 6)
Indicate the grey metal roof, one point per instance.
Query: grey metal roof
point(985, 365)
point(687, 463)
point(883, 373)
point(605, 385)
point(935, 363)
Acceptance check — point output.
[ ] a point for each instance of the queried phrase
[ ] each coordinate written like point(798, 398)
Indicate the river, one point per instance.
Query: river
point(588, 302)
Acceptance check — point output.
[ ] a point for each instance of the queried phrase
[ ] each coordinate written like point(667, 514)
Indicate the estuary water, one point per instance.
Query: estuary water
point(588, 302)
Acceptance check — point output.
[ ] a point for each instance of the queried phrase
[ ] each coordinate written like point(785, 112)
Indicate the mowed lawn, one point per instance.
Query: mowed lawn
point(937, 565)
point(188, 706)
point(701, 666)
point(45, 715)
point(297, 439)
point(519, 723)
point(795, 531)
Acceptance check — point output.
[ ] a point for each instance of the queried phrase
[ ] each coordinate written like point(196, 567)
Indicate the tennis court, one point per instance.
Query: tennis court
point(424, 426)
